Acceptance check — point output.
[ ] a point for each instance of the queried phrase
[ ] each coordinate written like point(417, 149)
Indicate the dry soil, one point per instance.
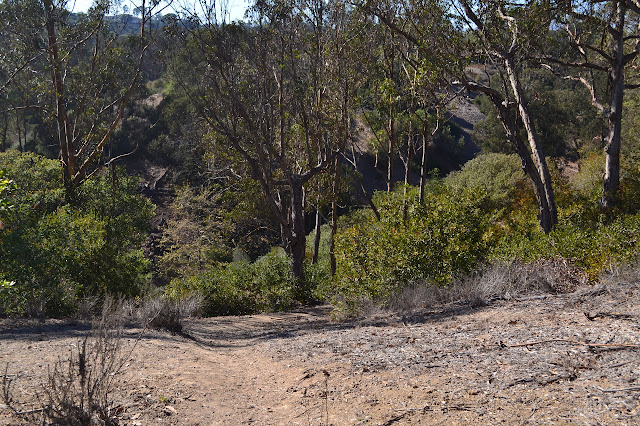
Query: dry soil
point(552, 359)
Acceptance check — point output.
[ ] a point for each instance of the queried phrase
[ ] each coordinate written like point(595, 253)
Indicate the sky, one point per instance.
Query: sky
point(236, 7)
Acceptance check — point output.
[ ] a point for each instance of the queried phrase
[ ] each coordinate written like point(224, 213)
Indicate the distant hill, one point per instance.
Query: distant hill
point(125, 24)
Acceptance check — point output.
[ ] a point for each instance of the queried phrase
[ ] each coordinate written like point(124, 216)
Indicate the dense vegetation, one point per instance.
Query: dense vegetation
point(310, 153)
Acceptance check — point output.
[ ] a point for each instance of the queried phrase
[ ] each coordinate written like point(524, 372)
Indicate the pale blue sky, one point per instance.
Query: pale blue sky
point(236, 7)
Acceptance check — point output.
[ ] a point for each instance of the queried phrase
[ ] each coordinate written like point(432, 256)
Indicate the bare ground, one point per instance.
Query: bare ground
point(452, 365)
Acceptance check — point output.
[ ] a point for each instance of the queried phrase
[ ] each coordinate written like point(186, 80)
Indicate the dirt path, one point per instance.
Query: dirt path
point(453, 365)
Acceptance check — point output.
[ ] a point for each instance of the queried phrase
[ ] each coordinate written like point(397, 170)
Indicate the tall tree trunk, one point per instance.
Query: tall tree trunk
point(316, 239)
point(391, 124)
point(407, 174)
point(548, 212)
point(19, 129)
point(423, 160)
point(5, 129)
point(508, 120)
point(65, 137)
point(25, 129)
point(334, 214)
point(297, 237)
point(391, 130)
point(611, 177)
point(545, 217)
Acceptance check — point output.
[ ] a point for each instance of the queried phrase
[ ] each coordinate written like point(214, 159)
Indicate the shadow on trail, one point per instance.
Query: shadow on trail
point(236, 331)
point(36, 330)
point(245, 331)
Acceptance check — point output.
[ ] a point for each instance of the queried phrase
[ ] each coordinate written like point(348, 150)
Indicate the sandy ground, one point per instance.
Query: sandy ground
point(451, 365)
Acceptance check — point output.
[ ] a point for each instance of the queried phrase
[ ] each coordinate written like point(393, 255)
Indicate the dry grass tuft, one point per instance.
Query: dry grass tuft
point(168, 313)
point(494, 282)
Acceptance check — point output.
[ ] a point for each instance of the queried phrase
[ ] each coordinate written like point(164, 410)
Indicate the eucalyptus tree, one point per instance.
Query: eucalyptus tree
point(384, 109)
point(79, 71)
point(507, 33)
point(605, 41)
point(426, 48)
point(277, 93)
point(502, 33)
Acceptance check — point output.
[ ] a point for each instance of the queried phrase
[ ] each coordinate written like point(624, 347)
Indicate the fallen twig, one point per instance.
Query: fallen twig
point(633, 388)
point(573, 342)
point(620, 364)
point(444, 409)
point(613, 315)
point(35, 410)
point(394, 419)
point(533, 412)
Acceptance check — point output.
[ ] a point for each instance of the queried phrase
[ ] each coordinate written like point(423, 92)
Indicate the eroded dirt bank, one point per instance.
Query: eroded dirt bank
point(452, 365)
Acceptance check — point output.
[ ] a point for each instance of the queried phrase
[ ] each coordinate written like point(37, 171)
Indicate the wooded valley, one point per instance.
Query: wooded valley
point(316, 151)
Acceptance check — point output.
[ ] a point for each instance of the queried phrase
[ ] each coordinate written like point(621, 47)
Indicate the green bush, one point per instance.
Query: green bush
point(56, 253)
point(595, 248)
point(441, 237)
point(241, 287)
point(497, 174)
point(318, 276)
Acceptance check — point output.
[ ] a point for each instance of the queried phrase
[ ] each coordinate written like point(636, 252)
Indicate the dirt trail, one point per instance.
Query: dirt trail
point(452, 365)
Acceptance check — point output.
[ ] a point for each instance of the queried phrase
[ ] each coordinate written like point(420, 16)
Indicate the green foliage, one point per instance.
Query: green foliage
point(566, 122)
point(193, 238)
point(93, 66)
point(318, 276)
point(179, 141)
point(55, 252)
point(6, 185)
point(449, 149)
point(207, 224)
point(587, 236)
point(241, 287)
point(594, 249)
point(498, 175)
point(441, 237)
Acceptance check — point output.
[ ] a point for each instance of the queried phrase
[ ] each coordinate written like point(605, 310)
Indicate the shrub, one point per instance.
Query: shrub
point(498, 175)
point(441, 237)
point(318, 275)
point(169, 313)
point(56, 252)
point(594, 248)
point(6, 185)
point(241, 287)
point(208, 225)
point(47, 261)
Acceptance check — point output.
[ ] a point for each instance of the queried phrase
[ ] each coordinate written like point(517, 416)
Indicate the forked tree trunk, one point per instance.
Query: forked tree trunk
point(546, 218)
point(64, 134)
point(542, 180)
